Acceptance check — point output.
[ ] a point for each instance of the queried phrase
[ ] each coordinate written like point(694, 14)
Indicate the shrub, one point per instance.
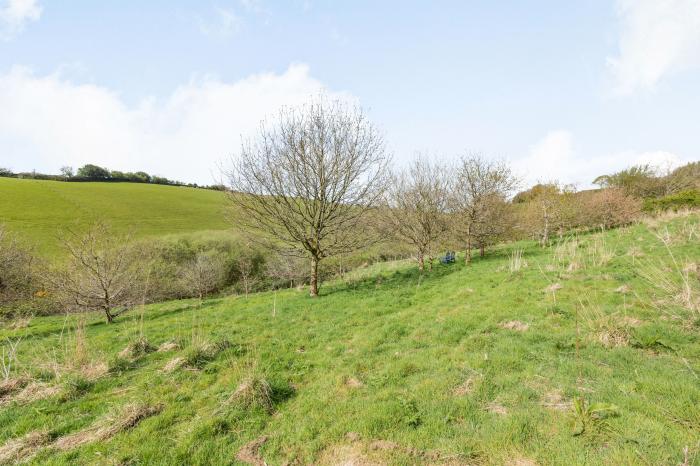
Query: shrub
point(609, 208)
point(684, 199)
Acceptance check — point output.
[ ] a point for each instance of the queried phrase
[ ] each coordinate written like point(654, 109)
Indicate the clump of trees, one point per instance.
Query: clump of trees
point(416, 207)
point(479, 199)
point(306, 184)
point(658, 189)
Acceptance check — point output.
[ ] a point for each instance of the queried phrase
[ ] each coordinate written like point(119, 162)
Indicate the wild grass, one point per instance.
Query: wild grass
point(462, 365)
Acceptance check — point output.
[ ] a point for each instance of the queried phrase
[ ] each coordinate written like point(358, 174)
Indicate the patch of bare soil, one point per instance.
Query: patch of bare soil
point(348, 455)
point(520, 462)
point(250, 453)
point(23, 448)
point(515, 325)
point(130, 416)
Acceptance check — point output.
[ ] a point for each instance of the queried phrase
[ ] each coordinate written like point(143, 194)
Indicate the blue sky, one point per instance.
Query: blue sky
point(563, 90)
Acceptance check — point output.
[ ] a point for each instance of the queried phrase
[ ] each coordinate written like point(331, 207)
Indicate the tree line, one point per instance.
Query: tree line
point(316, 183)
point(91, 172)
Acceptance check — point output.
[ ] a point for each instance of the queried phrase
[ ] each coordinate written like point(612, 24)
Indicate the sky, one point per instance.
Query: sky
point(563, 91)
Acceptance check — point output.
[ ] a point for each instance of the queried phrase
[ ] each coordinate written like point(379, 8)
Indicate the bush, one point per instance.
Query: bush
point(609, 208)
point(17, 277)
point(684, 199)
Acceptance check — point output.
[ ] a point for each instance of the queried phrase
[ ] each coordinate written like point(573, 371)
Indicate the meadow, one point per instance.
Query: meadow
point(585, 352)
point(40, 210)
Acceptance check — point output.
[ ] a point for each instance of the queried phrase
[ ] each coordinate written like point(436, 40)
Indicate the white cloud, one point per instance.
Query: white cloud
point(48, 121)
point(223, 24)
point(15, 14)
point(555, 158)
point(658, 38)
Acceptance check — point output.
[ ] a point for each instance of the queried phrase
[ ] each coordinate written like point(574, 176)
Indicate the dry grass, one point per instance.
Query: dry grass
point(168, 346)
point(555, 400)
point(12, 385)
point(676, 282)
point(126, 418)
point(610, 330)
point(174, 364)
point(465, 387)
point(553, 288)
point(35, 391)
point(8, 357)
point(516, 263)
point(515, 325)
point(600, 253)
point(353, 382)
point(24, 448)
point(496, 408)
point(253, 392)
point(566, 255)
point(136, 349)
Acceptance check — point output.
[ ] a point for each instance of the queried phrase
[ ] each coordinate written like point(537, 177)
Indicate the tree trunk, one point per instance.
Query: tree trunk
point(481, 250)
point(110, 317)
point(468, 252)
point(313, 291)
point(421, 262)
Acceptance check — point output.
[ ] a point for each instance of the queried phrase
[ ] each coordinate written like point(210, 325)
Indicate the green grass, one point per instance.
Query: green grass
point(39, 210)
point(383, 355)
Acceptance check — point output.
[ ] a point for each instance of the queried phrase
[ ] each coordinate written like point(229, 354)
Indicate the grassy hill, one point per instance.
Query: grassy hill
point(583, 353)
point(40, 209)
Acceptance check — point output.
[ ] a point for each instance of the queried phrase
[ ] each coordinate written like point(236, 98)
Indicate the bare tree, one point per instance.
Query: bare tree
point(203, 274)
point(478, 183)
point(306, 182)
point(550, 209)
point(67, 171)
point(416, 207)
point(102, 272)
point(245, 267)
point(286, 268)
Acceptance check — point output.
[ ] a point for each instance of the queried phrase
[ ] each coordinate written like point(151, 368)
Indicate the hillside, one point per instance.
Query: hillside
point(39, 210)
point(583, 353)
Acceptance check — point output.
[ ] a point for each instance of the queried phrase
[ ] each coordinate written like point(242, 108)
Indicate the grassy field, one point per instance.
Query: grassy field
point(39, 210)
point(582, 353)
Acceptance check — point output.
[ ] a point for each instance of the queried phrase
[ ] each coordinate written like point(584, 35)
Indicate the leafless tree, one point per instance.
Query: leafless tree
point(416, 207)
point(102, 272)
point(306, 182)
point(549, 209)
point(245, 266)
point(287, 268)
point(478, 183)
point(203, 274)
